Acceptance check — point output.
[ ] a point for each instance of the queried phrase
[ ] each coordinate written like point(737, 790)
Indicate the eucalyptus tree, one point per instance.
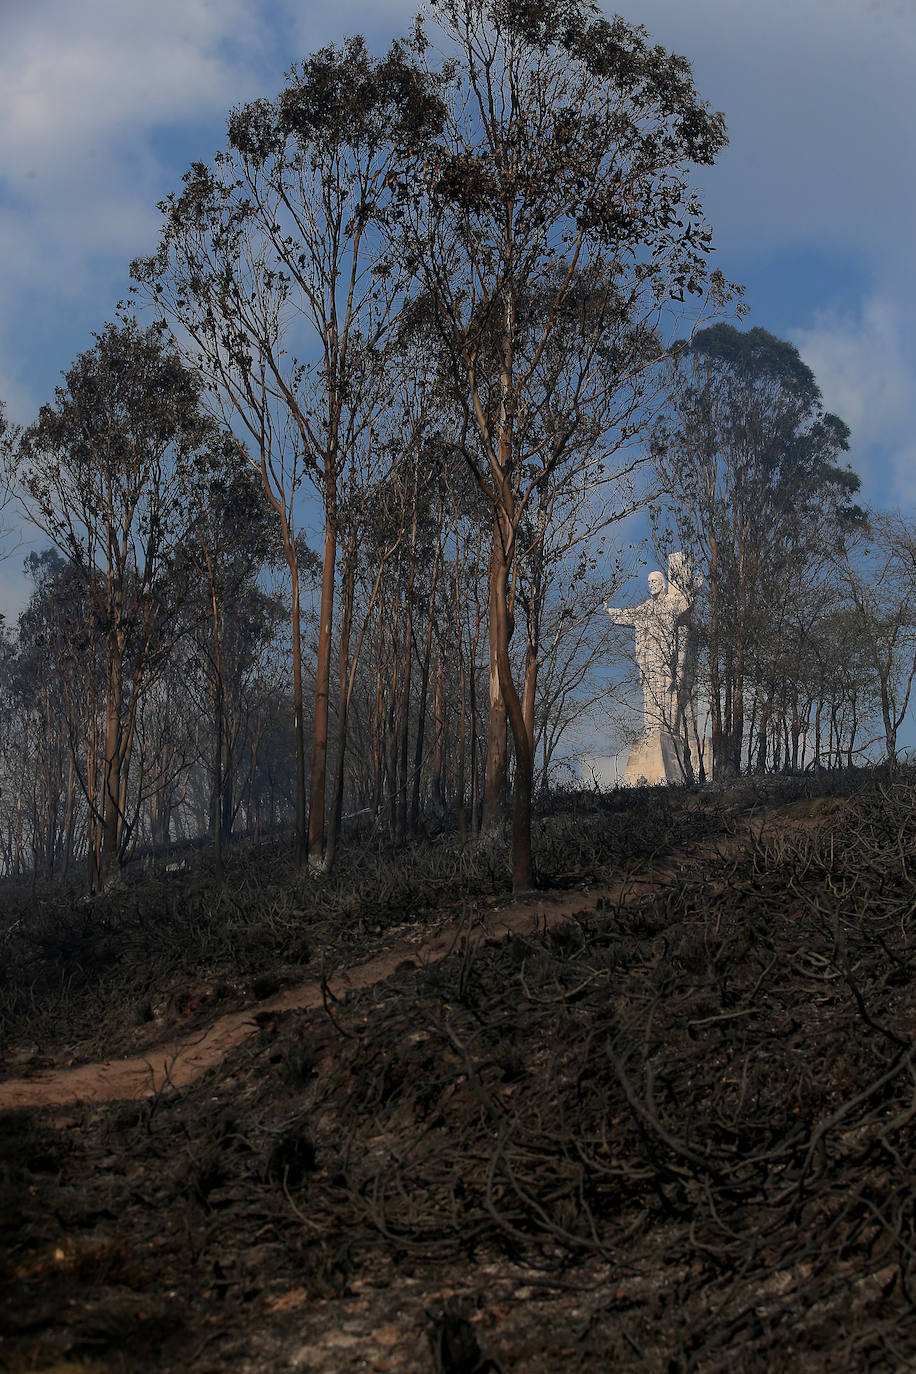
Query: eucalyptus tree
point(564, 571)
point(568, 642)
point(10, 772)
point(390, 472)
point(561, 177)
point(231, 539)
point(271, 263)
point(755, 492)
point(462, 628)
point(111, 472)
point(849, 696)
point(47, 681)
point(878, 575)
point(8, 438)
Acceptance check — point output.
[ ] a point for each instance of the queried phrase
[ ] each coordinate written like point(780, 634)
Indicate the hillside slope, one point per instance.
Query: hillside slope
point(672, 1131)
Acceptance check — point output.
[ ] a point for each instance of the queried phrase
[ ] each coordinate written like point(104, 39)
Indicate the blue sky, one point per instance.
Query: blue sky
point(103, 105)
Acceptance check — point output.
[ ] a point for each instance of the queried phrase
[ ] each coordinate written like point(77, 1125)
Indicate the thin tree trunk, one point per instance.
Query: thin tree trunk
point(68, 819)
point(318, 781)
point(111, 790)
point(472, 731)
point(424, 685)
point(462, 755)
point(378, 740)
point(497, 765)
point(438, 798)
point(93, 823)
point(737, 705)
point(343, 704)
point(216, 804)
point(298, 721)
point(532, 664)
point(403, 716)
point(254, 796)
point(521, 816)
point(717, 732)
point(391, 753)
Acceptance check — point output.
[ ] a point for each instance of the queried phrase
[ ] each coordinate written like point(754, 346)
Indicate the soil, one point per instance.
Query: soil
point(182, 1060)
point(659, 1122)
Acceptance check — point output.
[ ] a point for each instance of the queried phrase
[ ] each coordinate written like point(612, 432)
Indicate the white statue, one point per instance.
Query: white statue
point(661, 646)
point(665, 656)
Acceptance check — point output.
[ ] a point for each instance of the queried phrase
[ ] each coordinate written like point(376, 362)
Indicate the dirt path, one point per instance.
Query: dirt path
point(180, 1061)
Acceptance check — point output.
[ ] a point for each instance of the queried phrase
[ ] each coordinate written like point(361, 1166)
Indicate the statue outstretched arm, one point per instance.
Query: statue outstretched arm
point(621, 616)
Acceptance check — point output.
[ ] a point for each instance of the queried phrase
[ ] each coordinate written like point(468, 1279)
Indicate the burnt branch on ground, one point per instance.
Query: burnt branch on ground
point(88, 972)
point(693, 1114)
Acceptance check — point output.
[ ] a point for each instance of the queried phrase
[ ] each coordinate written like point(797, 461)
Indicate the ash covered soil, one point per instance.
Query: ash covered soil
point(662, 1118)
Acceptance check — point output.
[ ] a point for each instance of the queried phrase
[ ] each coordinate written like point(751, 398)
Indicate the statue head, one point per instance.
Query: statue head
point(657, 583)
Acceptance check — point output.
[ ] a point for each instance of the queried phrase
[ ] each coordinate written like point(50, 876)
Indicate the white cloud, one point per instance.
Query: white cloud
point(15, 588)
point(18, 399)
point(862, 365)
point(903, 470)
point(82, 81)
point(14, 596)
point(819, 101)
point(103, 105)
point(127, 46)
point(96, 100)
point(315, 25)
point(90, 95)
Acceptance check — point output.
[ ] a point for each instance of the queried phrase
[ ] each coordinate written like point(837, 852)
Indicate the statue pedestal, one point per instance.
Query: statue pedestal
point(655, 757)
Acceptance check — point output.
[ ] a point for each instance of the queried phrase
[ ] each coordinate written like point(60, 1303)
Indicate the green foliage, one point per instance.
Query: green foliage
point(749, 464)
point(117, 471)
point(7, 434)
point(532, 186)
point(125, 404)
point(754, 355)
point(341, 95)
point(764, 414)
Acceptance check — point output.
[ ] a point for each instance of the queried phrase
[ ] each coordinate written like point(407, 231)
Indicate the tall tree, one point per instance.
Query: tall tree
point(9, 442)
point(51, 682)
point(226, 550)
point(878, 575)
point(557, 228)
point(110, 473)
point(271, 263)
point(755, 493)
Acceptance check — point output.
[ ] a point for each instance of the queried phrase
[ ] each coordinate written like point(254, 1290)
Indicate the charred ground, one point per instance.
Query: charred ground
point(674, 1133)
